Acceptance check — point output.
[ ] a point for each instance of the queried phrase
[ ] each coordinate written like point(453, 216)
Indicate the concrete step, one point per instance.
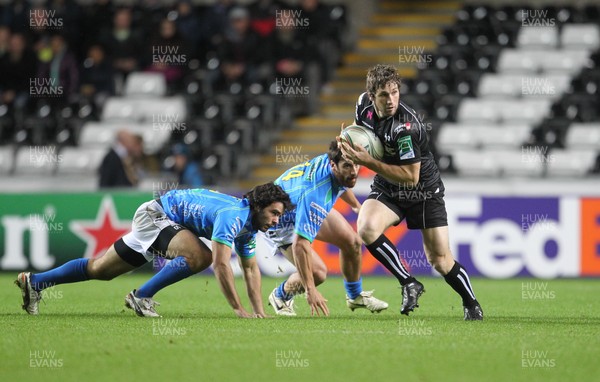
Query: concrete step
point(395, 45)
point(412, 6)
point(409, 19)
point(394, 32)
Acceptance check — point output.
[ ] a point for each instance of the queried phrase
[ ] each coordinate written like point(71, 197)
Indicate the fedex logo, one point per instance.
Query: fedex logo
point(508, 237)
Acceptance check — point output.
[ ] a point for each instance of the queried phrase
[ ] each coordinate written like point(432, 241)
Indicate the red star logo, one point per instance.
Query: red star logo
point(101, 233)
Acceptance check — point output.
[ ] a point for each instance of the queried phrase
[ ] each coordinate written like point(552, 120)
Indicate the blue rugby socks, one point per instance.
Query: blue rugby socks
point(70, 272)
point(176, 270)
point(353, 288)
point(282, 294)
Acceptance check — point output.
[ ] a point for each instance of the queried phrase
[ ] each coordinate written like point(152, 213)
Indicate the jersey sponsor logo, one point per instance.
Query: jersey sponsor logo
point(405, 148)
point(319, 208)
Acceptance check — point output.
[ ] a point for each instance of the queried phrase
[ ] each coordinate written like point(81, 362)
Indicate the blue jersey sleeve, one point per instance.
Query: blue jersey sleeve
point(226, 227)
point(245, 245)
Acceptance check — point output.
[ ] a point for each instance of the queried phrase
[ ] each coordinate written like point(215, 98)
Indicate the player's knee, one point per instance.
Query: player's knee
point(352, 246)
point(95, 271)
point(368, 233)
point(198, 261)
point(319, 275)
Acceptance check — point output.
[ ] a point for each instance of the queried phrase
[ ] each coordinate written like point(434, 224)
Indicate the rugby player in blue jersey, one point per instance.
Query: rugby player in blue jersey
point(170, 227)
point(314, 187)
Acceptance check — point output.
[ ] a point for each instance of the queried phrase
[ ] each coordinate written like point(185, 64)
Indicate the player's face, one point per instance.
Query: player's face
point(346, 172)
point(386, 99)
point(267, 217)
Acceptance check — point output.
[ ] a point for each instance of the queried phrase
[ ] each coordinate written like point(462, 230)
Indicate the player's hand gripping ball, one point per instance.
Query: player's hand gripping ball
point(359, 135)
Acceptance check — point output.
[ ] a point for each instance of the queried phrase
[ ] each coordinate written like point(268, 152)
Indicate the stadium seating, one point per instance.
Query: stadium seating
point(538, 95)
point(80, 160)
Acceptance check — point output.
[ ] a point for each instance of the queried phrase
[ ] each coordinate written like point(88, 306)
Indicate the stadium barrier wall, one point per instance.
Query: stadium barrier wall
point(495, 237)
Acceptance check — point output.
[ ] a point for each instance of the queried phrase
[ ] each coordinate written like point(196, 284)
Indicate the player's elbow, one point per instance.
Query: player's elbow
point(220, 266)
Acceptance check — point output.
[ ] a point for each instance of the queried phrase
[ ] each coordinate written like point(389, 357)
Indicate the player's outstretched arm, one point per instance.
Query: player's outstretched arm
point(253, 284)
point(302, 251)
point(224, 274)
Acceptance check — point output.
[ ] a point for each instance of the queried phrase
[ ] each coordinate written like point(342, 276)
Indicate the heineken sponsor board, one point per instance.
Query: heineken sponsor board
point(497, 237)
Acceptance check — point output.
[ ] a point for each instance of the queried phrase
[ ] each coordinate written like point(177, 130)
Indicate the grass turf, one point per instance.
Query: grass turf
point(533, 330)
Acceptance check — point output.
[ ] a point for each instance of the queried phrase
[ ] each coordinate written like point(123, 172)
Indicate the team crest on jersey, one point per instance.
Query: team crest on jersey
point(405, 148)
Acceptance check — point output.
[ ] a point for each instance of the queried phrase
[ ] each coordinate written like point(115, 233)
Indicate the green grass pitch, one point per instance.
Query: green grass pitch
point(534, 330)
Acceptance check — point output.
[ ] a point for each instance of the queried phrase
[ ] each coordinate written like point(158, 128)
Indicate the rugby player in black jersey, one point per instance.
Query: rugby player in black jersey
point(407, 186)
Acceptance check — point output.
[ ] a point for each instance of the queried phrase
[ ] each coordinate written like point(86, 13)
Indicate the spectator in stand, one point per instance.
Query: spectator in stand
point(214, 23)
point(187, 169)
point(4, 41)
point(241, 52)
point(97, 18)
point(169, 54)
point(97, 76)
point(67, 15)
point(62, 69)
point(121, 165)
point(188, 25)
point(320, 37)
point(15, 15)
point(263, 14)
point(294, 60)
point(17, 68)
point(124, 44)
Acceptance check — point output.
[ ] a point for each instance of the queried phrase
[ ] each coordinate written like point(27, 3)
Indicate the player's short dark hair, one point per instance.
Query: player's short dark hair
point(379, 75)
point(334, 153)
point(264, 195)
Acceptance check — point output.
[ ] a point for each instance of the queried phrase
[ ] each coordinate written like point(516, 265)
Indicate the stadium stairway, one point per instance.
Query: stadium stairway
point(395, 29)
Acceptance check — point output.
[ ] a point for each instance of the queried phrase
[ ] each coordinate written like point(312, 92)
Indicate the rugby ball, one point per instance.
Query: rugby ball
point(359, 135)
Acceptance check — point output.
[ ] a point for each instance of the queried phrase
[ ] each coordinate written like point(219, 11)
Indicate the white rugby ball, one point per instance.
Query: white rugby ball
point(359, 135)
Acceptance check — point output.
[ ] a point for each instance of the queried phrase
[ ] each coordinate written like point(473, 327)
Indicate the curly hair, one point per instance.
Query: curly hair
point(264, 195)
point(379, 75)
point(334, 153)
